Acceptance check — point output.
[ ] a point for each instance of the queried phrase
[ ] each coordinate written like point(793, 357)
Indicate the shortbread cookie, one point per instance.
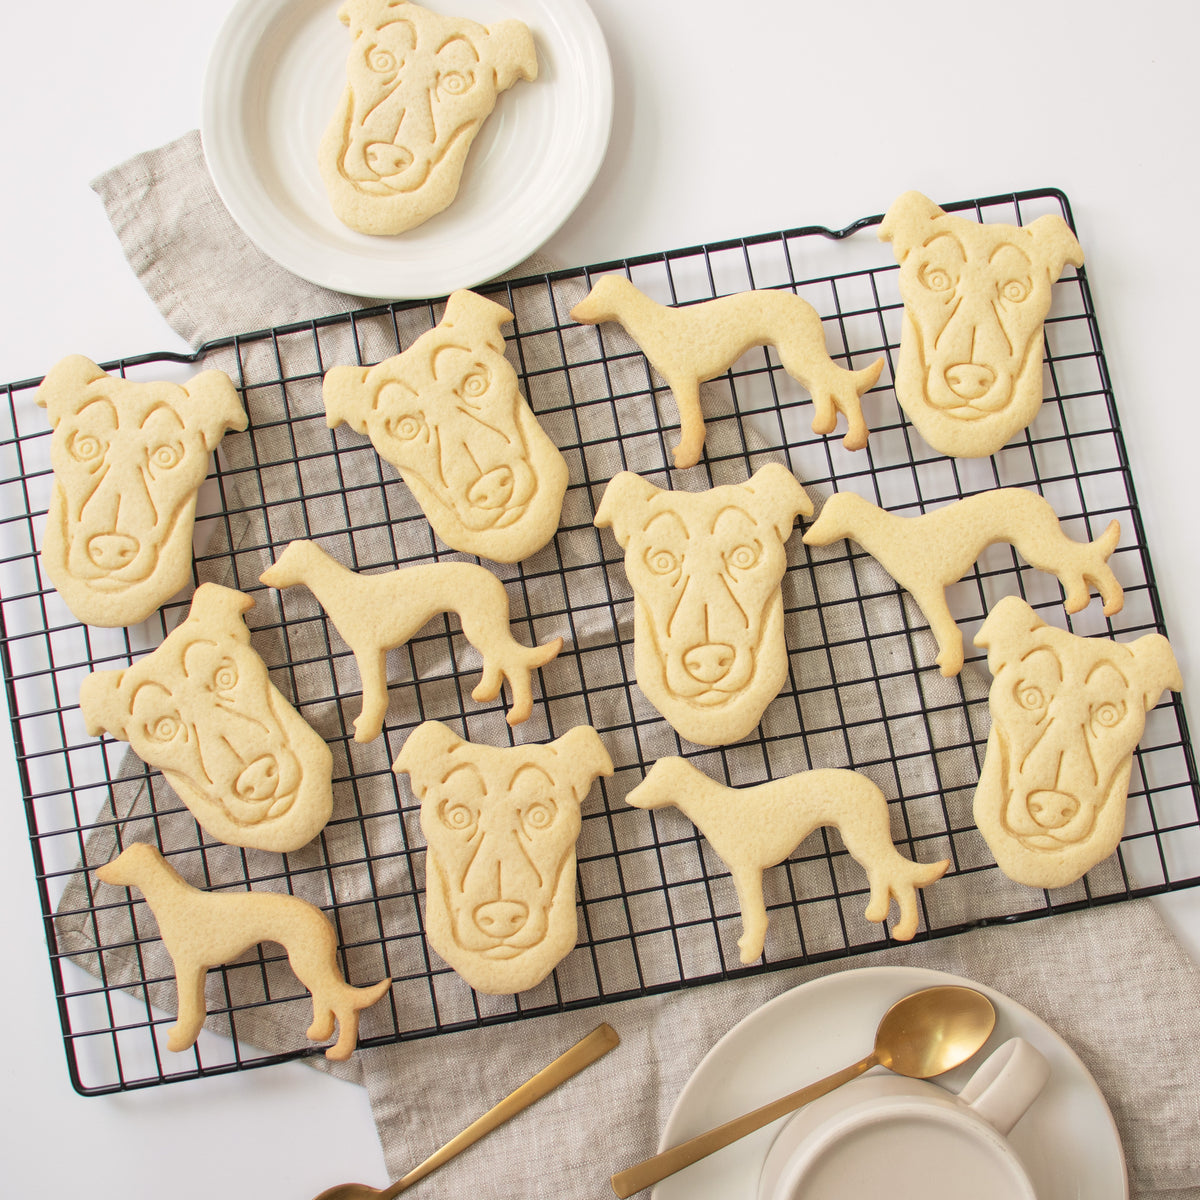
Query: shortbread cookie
point(1067, 712)
point(706, 569)
point(501, 825)
point(926, 554)
point(202, 709)
point(975, 297)
point(753, 828)
point(205, 929)
point(691, 344)
point(418, 88)
point(128, 460)
point(448, 415)
point(376, 613)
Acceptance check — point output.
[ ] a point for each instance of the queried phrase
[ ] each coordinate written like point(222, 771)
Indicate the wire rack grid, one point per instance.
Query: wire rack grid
point(657, 908)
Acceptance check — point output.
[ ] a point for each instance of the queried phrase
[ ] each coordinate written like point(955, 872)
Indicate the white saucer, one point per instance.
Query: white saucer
point(273, 81)
point(1067, 1140)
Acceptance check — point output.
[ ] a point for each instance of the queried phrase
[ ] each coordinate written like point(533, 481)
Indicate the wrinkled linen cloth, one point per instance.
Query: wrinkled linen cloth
point(1111, 981)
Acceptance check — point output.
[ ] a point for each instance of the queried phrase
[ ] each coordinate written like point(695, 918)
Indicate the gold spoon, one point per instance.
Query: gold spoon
point(597, 1043)
point(925, 1034)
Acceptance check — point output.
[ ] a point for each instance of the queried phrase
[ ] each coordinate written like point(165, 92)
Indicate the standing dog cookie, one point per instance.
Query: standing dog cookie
point(203, 709)
point(706, 569)
point(501, 826)
point(448, 415)
point(128, 460)
point(975, 297)
point(1067, 712)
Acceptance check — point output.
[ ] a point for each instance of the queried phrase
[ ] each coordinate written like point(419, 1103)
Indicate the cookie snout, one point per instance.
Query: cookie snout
point(259, 781)
point(970, 381)
point(501, 919)
point(1052, 809)
point(709, 663)
point(493, 490)
point(386, 158)
point(112, 551)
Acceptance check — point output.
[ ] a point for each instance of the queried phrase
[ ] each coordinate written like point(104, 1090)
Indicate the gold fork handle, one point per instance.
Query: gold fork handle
point(634, 1179)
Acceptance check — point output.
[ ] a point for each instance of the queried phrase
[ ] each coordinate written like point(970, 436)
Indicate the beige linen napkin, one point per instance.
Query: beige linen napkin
point(1111, 981)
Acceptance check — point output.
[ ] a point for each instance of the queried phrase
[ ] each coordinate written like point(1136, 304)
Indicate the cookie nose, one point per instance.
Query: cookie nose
point(709, 663)
point(501, 918)
point(969, 381)
point(259, 780)
point(493, 490)
point(1051, 810)
point(112, 551)
point(385, 158)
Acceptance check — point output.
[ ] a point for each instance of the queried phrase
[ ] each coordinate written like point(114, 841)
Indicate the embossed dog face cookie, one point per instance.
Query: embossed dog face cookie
point(128, 459)
point(203, 710)
point(975, 297)
point(501, 826)
point(706, 568)
point(448, 415)
point(1067, 712)
point(418, 87)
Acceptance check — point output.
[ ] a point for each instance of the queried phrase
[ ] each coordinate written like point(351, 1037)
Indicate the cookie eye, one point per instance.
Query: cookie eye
point(86, 447)
point(743, 558)
point(538, 816)
point(166, 456)
point(382, 62)
point(455, 83)
point(164, 729)
point(661, 562)
point(405, 428)
point(1030, 698)
point(1015, 290)
point(1108, 714)
point(226, 676)
point(475, 384)
point(935, 278)
point(457, 816)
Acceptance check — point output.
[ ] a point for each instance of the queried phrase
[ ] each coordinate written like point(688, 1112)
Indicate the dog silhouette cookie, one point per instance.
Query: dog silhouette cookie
point(128, 460)
point(1067, 713)
point(418, 88)
point(448, 415)
point(203, 710)
point(975, 298)
point(375, 613)
point(754, 828)
point(692, 344)
point(706, 569)
point(205, 929)
point(501, 825)
point(927, 553)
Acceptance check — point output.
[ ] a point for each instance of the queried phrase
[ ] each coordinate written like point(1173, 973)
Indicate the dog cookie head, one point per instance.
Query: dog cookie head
point(418, 87)
point(501, 825)
point(1067, 712)
point(128, 459)
point(975, 297)
point(706, 568)
point(448, 415)
point(203, 710)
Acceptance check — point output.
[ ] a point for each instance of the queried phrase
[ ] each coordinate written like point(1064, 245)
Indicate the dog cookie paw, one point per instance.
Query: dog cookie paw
point(706, 569)
point(448, 415)
point(375, 613)
point(202, 709)
point(128, 459)
point(754, 828)
point(501, 825)
point(206, 929)
point(1067, 713)
point(975, 297)
point(692, 344)
point(419, 86)
point(926, 554)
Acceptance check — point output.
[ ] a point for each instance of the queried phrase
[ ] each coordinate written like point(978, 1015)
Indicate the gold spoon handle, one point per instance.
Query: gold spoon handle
point(633, 1179)
point(597, 1043)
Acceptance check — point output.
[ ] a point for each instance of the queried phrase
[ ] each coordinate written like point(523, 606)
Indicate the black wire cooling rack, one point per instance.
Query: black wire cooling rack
point(657, 909)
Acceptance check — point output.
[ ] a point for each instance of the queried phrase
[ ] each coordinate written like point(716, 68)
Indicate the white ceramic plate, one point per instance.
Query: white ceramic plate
point(276, 72)
point(1067, 1139)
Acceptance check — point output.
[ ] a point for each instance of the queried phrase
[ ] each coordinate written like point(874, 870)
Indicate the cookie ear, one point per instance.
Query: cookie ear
point(479, 316)
point(1056, 244)
point(781, 496)
point(216, 405)
point(1009, 623)
point(422, 752)
point(222, 608)
point(907, 222)
point(513, 51)
point(104, 709)
point(61, 390)
point(345, 394)
point(584, 756)
point(625, 492)
point(1158, 671)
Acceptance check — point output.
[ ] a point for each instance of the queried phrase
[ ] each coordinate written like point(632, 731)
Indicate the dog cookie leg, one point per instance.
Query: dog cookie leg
point(899, 880)
point(691, 423)
point(372, 668)
point(932, 603)
point(189, 984)
point(749, 885)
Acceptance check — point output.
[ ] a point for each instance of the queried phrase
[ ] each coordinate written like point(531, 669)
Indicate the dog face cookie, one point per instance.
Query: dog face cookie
point(203, 710)
point(128, 459)
point(501, 826)
point(706, 568)
point(448, 415)
point(975, 297)
point(418, 88)
point(1067, 712)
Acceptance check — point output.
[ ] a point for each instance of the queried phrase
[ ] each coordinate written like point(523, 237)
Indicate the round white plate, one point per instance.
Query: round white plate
point(274, 78)
point(1067, 1140)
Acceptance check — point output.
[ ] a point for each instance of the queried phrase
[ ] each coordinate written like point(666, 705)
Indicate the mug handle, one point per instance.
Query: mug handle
point(1006, 1084)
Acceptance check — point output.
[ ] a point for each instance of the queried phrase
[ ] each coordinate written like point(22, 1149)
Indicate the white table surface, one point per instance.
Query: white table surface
point(726, 124)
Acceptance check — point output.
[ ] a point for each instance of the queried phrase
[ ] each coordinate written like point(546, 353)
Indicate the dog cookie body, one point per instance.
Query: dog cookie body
point(753, 828)
point(975, 297)
point(205, 929)
point(448, 415)
point(501, 826)
point(692, 344)
point(202, 709)
point(418, 88)
point(375, 613)
point(927, 553)
point(1067, 712)
point(706, 569)
point(128, 460)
